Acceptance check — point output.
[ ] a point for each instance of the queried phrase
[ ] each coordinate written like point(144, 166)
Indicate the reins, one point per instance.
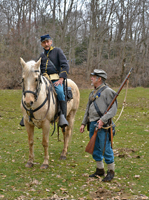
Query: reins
point(31, 111)
point(49, 90)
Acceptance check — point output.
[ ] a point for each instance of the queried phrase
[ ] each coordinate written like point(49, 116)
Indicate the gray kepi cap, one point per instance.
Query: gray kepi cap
point(100, 73)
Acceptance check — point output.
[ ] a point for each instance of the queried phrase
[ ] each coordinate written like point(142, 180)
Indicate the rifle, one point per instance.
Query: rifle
point(90, 146)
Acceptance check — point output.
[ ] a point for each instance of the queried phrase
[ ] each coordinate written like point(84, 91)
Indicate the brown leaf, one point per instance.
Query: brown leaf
point(137, 176)
point(63, 189)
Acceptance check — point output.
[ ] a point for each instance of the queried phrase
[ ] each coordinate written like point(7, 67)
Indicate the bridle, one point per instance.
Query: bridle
point(49, 89)
point(36, 93)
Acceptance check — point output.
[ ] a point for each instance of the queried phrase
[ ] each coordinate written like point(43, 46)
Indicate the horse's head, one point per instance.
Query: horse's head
point(31, 81)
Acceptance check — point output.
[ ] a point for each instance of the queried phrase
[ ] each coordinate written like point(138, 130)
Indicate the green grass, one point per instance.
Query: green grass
point(69, 178)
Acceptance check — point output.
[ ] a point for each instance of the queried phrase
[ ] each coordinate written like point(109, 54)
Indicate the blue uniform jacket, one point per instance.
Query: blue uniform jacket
point(54, 62)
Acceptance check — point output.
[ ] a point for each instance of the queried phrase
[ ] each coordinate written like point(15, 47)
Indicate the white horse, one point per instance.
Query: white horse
point(39, 107)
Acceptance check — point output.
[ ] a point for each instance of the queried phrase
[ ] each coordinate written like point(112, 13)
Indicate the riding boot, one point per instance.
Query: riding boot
point(62, 118)
point(22, 122)
point(98, 172)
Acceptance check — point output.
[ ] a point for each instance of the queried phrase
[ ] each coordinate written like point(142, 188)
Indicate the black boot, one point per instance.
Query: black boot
point(22, 122)
point(109, 176)
point(62, 118)
point(98, 172)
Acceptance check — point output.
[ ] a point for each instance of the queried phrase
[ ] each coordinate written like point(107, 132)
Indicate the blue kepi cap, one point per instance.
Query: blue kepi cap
point(45, 37)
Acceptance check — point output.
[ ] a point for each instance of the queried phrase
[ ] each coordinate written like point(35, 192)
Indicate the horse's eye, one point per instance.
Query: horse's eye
point(36, 79)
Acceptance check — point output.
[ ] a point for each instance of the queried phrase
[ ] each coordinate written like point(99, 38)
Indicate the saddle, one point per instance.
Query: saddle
point(67, 90)
point(69, 94)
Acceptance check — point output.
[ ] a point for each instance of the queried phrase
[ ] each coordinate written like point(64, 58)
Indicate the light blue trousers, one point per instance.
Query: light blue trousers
point(99, 145)
point(60, 91)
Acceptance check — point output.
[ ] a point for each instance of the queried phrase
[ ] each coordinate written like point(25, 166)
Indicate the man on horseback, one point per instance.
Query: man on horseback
point(55, 67)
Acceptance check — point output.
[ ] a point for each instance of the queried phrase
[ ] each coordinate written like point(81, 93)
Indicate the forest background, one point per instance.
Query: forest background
point(107, 34)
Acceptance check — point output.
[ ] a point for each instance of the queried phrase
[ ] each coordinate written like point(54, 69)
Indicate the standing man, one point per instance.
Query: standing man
point(99, 100)
point(55, 67)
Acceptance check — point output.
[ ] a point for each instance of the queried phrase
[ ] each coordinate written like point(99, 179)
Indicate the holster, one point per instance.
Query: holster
point(88, 125)
point(113, 129)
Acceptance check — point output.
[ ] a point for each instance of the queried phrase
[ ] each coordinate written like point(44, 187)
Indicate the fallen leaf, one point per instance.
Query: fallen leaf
point(63, 189)
point(85, 174)
point(36, 182)
point(32, 189)
point(137, 176)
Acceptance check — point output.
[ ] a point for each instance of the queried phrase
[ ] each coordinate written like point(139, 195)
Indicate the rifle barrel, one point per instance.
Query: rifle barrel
point(120, 88)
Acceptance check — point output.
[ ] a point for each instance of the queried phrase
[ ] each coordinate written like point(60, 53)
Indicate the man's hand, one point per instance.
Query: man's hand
point(100, 124)
point(60, 81)
point(82, 128)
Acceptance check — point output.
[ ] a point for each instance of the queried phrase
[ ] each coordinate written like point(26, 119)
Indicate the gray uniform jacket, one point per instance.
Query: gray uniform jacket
point(103, 101)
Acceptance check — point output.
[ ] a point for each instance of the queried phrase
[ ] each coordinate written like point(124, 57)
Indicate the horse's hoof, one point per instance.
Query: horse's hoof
point(44, 166)
point(29, 165)
point(63, 158)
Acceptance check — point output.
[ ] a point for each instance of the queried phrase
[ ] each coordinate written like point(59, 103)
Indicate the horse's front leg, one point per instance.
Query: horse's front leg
point(67, 134)
point(30, 131)
point(45, 143)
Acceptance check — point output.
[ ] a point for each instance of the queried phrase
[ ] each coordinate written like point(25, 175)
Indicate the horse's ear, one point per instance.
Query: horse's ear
point(38, 63)
point(22, 62)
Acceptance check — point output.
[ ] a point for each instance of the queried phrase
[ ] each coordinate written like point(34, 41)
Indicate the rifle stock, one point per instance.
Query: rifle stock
point(90, 146)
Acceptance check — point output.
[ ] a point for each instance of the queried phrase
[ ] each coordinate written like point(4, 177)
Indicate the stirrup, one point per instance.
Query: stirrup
point(62, 121)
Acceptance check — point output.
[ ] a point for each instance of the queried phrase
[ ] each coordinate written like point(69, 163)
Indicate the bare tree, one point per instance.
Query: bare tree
point(109, 34)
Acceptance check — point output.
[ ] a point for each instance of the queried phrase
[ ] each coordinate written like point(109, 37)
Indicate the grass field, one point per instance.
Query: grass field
point(69, 179)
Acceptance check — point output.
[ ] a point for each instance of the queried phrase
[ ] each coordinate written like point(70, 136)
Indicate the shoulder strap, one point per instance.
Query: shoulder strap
point(100, 90)
point(50, 60)
point(95, 104)
point(97, 109)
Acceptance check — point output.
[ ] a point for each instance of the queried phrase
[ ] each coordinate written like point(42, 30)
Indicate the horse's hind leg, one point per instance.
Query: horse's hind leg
point(30, 131)
point(45, 143)
point(67, 134)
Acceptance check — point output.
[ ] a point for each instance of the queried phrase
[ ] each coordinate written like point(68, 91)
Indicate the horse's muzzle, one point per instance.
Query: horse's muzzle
point(28, 104)
point(29, 98)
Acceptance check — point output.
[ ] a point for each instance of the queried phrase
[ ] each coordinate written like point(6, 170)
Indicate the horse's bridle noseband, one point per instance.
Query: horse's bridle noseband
point(36, 93)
